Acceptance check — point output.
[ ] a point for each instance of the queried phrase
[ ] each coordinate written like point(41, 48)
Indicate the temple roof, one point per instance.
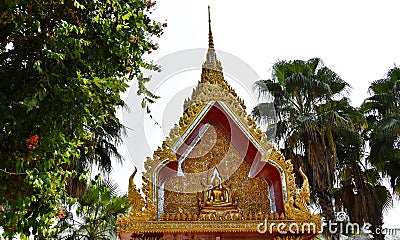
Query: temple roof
point(214, 103)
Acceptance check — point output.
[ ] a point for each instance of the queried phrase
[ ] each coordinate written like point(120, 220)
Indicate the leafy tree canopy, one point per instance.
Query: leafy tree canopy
point(322, 133)
point(95, 213)
point(383, 113)
point(63, 65)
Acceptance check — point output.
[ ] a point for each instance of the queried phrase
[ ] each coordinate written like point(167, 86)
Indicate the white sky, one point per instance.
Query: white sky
point(359, 40)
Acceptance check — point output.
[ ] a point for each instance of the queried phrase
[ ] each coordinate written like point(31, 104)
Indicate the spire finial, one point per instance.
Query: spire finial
point(210, 37)
point(211, 60)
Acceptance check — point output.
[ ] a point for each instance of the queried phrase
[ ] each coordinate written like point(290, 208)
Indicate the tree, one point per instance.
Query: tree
point(96, 213)
point(358, 184)
point(63, 65)
point(319, 129)
point(383, 113)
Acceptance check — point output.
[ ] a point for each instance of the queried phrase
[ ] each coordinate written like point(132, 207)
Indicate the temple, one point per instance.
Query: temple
point(217, 176)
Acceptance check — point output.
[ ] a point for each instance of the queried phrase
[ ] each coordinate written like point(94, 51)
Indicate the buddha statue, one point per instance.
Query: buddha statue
point(217, 195)
point(217, 198)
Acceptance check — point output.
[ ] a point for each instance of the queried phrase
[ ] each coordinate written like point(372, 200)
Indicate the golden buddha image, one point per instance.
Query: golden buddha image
point(217, 198)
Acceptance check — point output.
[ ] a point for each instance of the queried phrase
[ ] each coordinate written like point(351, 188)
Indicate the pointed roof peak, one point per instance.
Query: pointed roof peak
point(210, 37)
point(211, 61)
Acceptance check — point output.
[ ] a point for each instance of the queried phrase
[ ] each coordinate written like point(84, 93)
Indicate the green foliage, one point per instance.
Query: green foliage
point(310, 105)
point(383, 113)
point(305, 97)
point(63, 65)
point(96, 213)
point(321, 132)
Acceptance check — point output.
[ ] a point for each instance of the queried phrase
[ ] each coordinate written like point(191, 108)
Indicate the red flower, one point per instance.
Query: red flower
point(10, 107)
point(32, 142)
point(37, 106)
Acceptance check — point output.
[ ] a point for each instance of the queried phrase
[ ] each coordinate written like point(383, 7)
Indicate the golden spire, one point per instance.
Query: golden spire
point(211, 61)
point(210, 37)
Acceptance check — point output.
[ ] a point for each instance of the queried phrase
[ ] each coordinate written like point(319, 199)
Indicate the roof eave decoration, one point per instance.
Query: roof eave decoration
point(143, 217)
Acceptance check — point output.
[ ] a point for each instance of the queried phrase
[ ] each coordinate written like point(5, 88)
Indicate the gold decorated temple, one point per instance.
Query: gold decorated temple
point(217, 177)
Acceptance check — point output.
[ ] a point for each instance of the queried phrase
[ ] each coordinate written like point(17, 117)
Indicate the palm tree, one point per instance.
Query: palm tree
point(316, 126)
point(359, 190)
point(98, 151)
point(383, 114)
point(96, 213)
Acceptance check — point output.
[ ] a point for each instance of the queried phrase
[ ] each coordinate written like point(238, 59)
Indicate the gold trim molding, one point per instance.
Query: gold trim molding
point(213, 226)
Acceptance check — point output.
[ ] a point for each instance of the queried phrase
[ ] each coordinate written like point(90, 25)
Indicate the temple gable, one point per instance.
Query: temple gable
point(216, 176)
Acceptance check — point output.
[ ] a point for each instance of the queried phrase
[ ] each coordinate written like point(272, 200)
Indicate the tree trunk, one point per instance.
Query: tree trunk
point(332, 230)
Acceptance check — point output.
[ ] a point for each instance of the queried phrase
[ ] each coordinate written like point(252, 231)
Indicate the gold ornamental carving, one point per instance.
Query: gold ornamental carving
point(297, 206)
point(140, 209)
point(208, 226)
point(177, 219)
point(215, 158)
point(211, 88)
point(229, 201)
point(296, 212)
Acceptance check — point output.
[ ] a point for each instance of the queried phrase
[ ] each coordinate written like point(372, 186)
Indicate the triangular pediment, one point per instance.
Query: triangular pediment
point(169, 193)
point(214, 103)
point(216, 172)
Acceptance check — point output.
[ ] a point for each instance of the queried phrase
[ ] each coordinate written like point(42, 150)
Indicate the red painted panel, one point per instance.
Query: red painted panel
point(217, 117)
